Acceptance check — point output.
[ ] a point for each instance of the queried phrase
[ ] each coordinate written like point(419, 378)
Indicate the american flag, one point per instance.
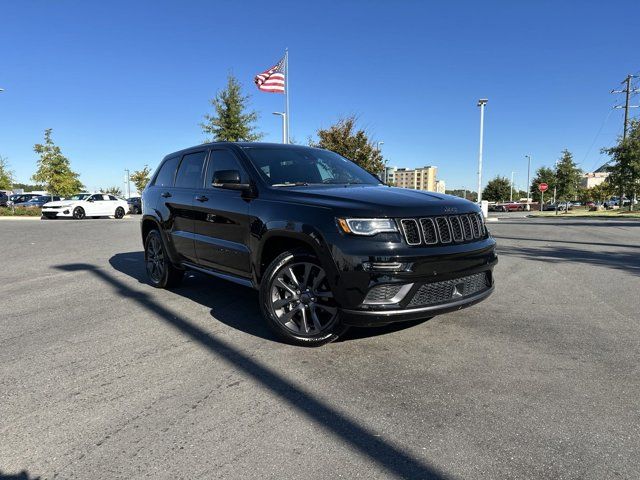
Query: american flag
point(272, 80)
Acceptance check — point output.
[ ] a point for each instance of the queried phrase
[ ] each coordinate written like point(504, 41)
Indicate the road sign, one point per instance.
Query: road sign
point(543, 187)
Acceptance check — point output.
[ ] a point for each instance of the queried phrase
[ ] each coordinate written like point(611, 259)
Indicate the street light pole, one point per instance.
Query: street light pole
point(128, 183)
point(529, 196)
point(284, 125)
point(384, 171)
point(481, 103)
point(511, 194)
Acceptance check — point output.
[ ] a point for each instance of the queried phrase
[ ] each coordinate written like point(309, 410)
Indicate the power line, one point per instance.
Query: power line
point(627, 91)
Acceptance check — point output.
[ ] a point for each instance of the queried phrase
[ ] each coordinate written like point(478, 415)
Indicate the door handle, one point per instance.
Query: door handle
point(201, 198)
point(165, 194)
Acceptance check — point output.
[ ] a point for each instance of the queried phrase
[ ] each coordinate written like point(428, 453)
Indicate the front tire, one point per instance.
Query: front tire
point(78, 213)
point(160, 271)
point(297, 302)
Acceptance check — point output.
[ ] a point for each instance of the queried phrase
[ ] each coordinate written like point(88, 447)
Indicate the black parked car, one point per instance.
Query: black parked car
point(22, 198)
point(135, 205)
point(325, 242)
point(40, 201)
point(4, 199)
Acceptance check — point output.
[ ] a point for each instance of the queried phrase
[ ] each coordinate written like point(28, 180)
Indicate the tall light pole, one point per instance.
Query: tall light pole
point(528, 178)
point(383, 174)
point(481, 103)
point(284, 125)
point(129, 183)
point(511, 195)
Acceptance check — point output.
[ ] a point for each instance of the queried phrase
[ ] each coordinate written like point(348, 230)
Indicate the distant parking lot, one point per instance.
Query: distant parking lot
point(102, 376)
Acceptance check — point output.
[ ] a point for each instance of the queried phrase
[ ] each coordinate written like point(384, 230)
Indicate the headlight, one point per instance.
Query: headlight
point(367, 226)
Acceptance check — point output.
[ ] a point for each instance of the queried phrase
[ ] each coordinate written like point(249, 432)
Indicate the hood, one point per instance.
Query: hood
point(58, 203)
point(378, 200)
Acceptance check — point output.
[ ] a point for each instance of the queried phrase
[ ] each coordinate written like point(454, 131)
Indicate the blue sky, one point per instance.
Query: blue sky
point(124, 83)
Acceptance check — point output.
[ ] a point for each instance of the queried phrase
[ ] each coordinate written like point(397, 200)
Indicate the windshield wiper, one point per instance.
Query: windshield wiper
point(290, 184)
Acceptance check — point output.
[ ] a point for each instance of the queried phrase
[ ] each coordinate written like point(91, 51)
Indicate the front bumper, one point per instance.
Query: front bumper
point(364, 318)
point(57, 212)
point(433, 281)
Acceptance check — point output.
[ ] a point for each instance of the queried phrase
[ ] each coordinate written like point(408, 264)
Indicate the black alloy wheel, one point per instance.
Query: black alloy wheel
point(160, 270)
point(297, 301)
point(119, 213)
point(78, 213)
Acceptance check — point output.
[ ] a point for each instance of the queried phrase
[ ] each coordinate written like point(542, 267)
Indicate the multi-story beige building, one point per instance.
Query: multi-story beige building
point(422, 178)
point(592, 179)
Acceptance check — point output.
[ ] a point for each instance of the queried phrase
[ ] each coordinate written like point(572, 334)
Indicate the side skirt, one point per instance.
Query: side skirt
point(225, 276)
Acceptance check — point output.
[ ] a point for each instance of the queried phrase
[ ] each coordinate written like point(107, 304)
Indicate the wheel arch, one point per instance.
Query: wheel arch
point(149, 223)
point(275, 242)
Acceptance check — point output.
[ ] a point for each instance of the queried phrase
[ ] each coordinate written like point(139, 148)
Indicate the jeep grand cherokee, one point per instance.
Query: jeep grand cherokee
point(327, 245)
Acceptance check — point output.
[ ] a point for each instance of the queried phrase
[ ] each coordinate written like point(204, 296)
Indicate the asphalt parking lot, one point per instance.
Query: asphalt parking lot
point(102, 376)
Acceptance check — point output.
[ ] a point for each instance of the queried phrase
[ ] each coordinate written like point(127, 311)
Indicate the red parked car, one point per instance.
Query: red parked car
point(510, 207)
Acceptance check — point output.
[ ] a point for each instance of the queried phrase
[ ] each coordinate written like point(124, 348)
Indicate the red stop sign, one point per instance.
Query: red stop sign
point(543, 187)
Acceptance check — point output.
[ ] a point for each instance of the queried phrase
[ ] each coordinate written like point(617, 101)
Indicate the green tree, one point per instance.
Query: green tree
point(599, 193)
point(140, 178)
point(28, 187)
point(568, 177)
point(231, 122)
point(6, 175)
point(117, 191)
point(345, 139)
point(543, 175)
point(54, 170)
point(625, 170)
point(498, 189)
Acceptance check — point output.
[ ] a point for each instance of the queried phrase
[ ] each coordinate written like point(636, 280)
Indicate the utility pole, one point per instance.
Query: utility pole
point(481, 103)
point(627, 91)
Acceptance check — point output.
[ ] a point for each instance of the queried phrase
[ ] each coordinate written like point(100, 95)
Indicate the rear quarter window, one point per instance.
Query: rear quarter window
point(167, 173)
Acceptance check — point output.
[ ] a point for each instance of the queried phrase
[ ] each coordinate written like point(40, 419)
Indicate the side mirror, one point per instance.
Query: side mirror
point(228, 179)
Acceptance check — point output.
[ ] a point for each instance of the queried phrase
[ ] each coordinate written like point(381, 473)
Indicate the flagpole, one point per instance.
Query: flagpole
point(286, 91)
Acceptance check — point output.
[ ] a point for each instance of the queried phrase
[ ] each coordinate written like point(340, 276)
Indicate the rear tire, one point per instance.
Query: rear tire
point(297, 302)
point(119, 213)
point(160, 271)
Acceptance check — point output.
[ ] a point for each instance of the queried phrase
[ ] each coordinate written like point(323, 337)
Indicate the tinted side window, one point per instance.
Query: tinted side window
point(166, 173)
point(223, 160)
point(190, 170)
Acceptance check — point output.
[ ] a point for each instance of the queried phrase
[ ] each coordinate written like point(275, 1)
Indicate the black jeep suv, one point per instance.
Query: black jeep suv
point(325, 242)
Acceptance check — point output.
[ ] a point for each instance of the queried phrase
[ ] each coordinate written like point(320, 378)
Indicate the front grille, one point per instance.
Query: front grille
point(458, 288)
point(411, 231)
point(443, 230)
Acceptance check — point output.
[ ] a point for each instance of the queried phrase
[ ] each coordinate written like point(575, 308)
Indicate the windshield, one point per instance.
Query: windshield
point(306, 166)
point(79, 196)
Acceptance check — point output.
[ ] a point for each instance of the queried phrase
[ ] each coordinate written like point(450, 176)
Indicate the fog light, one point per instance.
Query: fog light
point(384, 266)
point(66, 212)
point(388, 293)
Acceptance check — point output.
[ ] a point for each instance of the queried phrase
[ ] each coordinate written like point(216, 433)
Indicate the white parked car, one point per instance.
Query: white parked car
point(86, 205)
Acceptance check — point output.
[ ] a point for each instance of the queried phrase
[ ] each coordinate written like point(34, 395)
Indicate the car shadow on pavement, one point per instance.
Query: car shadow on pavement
point(233, 305)
point(572, 242)
point(23, 475)
point(385, 454)
point(625, 261)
